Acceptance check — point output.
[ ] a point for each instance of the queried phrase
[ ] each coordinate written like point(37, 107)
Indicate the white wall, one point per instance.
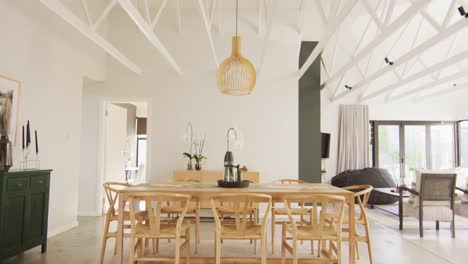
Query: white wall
point(50, 60)
point(267, 119)
point(89, 175)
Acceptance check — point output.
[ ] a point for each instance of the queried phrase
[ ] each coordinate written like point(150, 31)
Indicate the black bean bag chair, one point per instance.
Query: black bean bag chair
point(378, 178)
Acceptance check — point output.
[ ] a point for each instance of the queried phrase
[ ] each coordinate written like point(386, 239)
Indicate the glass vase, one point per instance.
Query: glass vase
point(6, 160)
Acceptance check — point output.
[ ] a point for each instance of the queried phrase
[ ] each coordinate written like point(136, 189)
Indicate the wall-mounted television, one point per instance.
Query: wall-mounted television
point(325, 145)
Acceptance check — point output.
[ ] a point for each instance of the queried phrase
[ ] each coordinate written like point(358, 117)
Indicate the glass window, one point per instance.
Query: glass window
point(415, 150)
point(389, 149)
point(442, 147)
point(463, 137)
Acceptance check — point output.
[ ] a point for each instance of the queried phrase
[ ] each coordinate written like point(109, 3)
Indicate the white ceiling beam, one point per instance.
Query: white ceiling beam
point(300, 17)
point(146, 29)
point(424, 65)
point(433, 68)
point(147, 11)
point(323, 65)
point(389, 14)
point(84, 4)
point(212, 12)
point(447, 91)
point(447, 79)
point(158, 15)
point(416, 36)
point(260, 17)
point(373, 14)
point(411, 54)
point(59, 9)
point(429, 18)
point(332, 27)
point(449, 14)
point(321, 11)
point(208, 32)
point(388, 31)
point(104, 14)
point(179, 16)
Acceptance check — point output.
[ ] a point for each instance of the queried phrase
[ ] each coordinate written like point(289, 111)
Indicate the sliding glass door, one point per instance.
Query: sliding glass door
point(388, 154)
point(415, 156)
point(404, 147)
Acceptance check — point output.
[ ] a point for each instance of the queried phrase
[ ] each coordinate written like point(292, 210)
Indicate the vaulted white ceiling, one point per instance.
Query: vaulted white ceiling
point(424, 41)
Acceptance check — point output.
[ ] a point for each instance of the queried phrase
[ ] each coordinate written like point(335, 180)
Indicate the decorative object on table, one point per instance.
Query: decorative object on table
point(189, 137)
point(229, 175)
point(9, 101)
point(236, 75)
point(236, 184)
point(30, 160)
point(198, 156)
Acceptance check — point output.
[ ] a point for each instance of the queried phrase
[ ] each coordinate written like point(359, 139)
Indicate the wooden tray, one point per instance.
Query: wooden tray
point(242, 184)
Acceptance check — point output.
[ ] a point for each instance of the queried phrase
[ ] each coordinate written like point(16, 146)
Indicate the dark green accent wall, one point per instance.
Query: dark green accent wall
point(309, 117)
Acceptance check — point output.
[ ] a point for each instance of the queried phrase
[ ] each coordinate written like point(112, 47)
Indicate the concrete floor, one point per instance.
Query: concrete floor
point(82, 245)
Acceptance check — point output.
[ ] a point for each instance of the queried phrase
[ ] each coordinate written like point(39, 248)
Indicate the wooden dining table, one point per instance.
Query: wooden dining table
point(205, 191)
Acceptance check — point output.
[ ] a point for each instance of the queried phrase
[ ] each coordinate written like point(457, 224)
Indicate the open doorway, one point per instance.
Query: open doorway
point(125, 135)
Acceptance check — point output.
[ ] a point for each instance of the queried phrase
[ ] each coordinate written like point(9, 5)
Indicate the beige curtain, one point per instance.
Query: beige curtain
point(353, 146)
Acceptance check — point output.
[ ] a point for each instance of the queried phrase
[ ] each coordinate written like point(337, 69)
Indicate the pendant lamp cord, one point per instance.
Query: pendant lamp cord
point(237, 13)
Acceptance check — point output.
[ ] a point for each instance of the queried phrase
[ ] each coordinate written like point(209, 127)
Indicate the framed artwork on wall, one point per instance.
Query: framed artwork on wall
point(9, 101)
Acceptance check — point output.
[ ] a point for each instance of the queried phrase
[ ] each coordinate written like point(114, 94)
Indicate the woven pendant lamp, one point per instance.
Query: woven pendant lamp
point(236, 75)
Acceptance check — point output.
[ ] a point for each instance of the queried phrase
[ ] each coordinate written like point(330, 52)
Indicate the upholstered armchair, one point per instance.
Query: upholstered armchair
point(433, 199)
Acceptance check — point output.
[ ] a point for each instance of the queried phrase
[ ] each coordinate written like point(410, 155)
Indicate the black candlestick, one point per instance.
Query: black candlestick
point(37, 144)
point(23, 137)
point(28, 135)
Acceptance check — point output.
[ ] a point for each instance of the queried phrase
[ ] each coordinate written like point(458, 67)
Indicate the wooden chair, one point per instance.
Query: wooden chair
point(173, 210)
point(281, 211)
point(434, 199)
point(361, 194)
point(324, 226)
point(241, 228)
point(157, 228)
point(111, 190)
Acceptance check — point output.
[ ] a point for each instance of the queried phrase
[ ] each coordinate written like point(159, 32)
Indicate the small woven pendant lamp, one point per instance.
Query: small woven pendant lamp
point(236, 75)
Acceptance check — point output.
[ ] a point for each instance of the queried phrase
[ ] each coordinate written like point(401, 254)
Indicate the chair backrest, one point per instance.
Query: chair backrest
point(361, 194)
point(241, 205)
point(437, 187)
point(112, 193)
point(154, 202)
point(289, 181)
point(331, 210)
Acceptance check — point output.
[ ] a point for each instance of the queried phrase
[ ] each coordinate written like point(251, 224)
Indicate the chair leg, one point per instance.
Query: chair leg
point(104, 241)
point(338, 253)
point(264, 248)
point(187, 248)
point(283, 241)
point(368, 240)
point(421, 228)
point(273, 231)
point(356, 243)
point(132, 250)
point(177, 250)
point(437, 225)
point(218, 249)
point(294, 251)
point(197, 230)
point(452, 227)
point(139, 249)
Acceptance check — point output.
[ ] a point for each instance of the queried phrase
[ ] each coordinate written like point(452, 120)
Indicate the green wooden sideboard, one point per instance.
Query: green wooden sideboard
point(24, 209)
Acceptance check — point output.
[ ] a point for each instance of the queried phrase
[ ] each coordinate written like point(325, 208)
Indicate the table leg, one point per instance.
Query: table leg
point(352, 231)
point(120, 224)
